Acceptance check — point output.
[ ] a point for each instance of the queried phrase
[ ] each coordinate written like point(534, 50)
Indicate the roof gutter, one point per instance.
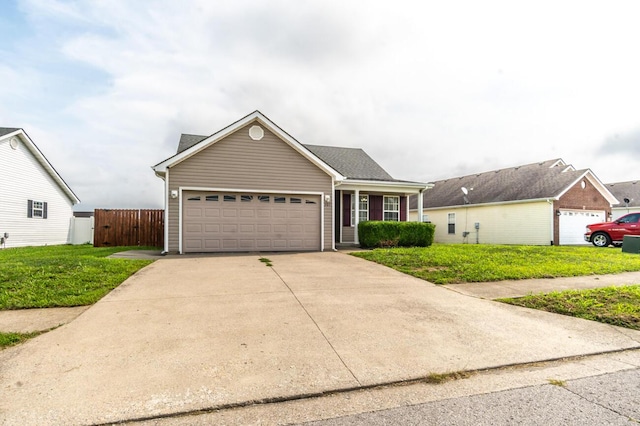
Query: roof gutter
point(498, 203)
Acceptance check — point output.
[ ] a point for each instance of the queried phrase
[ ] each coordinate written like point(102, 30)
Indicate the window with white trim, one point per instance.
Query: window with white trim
point(391, 208)
point(37, 209)
point(363, 205)
point(363, 209)
point(451, 223)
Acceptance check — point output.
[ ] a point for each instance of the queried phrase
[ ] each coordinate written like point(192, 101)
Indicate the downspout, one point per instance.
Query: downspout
point(553, 220)
point(333, 214)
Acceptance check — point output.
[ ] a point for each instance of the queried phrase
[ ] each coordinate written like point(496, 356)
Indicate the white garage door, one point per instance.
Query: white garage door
point(222, 221)
point(573, 223)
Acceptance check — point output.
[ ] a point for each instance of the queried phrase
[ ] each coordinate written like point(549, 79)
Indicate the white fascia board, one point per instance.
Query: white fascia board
point(588, 174)
point(161, 168)
point(560, 162)
point(383, 186)
point(33, 148)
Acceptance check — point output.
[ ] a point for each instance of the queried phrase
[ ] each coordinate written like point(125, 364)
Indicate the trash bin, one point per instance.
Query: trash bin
point(631, 244)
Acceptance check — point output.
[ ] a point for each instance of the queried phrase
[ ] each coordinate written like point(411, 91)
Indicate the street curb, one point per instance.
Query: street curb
point(314, 395)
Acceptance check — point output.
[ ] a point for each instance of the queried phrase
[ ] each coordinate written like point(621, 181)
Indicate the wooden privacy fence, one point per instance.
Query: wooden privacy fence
point(128, 228)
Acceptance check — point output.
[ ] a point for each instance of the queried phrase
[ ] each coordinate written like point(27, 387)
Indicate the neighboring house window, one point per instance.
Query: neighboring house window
point(452, 223)
point(36, 209)
point(391, 208)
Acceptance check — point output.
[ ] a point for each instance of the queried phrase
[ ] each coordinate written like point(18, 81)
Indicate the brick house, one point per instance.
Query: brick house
point(545, 203)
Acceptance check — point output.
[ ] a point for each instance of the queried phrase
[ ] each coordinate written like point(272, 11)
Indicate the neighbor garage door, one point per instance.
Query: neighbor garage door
point(573, 223)
point(222, 221)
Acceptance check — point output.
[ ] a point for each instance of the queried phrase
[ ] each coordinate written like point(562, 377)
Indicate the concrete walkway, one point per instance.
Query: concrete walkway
point(212, 332)
point(519, 288)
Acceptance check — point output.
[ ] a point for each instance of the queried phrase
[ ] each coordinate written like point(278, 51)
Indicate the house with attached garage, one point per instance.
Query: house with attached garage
point(253, 187)
point(36, 203)
point(628, 195)
point(545, 203)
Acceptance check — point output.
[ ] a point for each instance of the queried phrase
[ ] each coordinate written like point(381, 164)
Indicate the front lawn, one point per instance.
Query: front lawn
point(52, 276)
point(12, 339)
point(612, 305)
point(460, 263)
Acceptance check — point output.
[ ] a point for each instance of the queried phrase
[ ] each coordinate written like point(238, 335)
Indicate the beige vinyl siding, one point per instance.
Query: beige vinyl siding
point(348, 234)
point(523, 223)
point(240, 163)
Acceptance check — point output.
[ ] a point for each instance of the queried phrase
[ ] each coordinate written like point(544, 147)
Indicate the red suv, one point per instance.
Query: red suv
point(606, 233)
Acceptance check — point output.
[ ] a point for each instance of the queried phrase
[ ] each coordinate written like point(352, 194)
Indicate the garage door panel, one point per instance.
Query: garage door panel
point(212, 244)
point(230, 243)
point(572, 225)
point(194, 228)
point(264, 228)
point(229, 228)
point(263, 244)
point(246, 244)
point(279, 228)
point(247, 222)
point(296, 244)
point(296, 228)
point(212, 228)
point(279, 244)
point(193, 244)
point(279, 213)
point(296, 214)
point(247, 229)
point(193, 212)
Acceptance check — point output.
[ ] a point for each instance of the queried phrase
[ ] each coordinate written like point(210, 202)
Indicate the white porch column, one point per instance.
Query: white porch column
point(357, 218)
point(420, 205)
point(406, 207)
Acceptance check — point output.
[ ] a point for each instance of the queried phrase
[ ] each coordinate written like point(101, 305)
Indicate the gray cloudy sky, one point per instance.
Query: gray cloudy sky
point(429, 89)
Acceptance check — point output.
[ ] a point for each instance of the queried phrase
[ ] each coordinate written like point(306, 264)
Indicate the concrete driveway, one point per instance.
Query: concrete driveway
point(198, 333)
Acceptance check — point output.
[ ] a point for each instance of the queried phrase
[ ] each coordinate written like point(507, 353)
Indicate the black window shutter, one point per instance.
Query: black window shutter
point(44, 210)
point(29, 208)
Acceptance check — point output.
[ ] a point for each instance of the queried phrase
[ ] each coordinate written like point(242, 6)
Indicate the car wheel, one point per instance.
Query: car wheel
point(600, 239)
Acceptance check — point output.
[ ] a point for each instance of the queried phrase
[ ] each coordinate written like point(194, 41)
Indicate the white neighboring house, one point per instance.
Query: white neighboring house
point(628, 193)
point(36, 204)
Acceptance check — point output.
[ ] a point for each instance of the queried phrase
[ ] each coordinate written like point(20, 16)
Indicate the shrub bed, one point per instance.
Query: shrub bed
point(395, 234)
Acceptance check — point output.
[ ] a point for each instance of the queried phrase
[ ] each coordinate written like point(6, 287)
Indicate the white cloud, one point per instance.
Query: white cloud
point(430, 90)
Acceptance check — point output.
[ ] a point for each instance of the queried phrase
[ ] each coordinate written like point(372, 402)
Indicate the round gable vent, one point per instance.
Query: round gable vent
point(13, 142)
point(256, 133)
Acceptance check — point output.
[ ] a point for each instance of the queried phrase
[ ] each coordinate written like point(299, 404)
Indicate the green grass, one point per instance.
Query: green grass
point(52, 276)
point(12, 339)
point(611, 305)
point(266, 261)
point(460, 263)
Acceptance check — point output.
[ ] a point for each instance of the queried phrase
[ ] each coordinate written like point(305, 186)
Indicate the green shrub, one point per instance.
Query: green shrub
point(395, 234)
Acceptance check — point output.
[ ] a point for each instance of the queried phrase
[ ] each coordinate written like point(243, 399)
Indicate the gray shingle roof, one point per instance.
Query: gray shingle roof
point(187, 141)
point(353, 163)
point(622, 190)
point(7, 130)
point(546, 179)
